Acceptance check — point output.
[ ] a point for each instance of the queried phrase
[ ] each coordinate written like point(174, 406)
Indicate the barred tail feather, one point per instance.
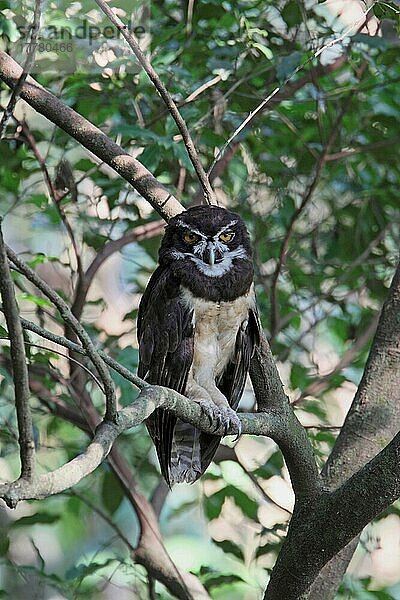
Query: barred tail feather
point(185, 454)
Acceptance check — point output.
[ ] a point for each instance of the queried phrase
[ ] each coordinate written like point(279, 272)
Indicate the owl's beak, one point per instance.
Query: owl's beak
point(210, 256)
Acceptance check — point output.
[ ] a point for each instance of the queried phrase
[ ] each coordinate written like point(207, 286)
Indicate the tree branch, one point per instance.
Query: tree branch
point(150, 398)
point(62, 341)
point(297, 213)
point(75, 326)
point(167, 98)
point(19, 367)
point(333, 519)
point(321, 527)
point(289, 434)
point(30, 57)
point(91, 138)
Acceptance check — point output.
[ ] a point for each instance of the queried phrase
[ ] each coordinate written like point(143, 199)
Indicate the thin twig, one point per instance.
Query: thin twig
point(270, 96)
point(54, 194)
point(75, 326)
point(85, 279)
point(107, 432)
point(19, 367)
point(88, 371)
point(91, 138)
point(361, 149)
point(62, 341)
point(167, 98)
point(320, 384)
point(303, 204)
point(95, 508)
point(30, 57)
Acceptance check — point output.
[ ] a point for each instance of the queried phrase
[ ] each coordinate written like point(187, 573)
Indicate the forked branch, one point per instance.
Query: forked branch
point(167, 98)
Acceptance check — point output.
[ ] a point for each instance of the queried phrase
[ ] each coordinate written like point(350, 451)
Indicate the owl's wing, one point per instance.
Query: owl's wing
point(233, 379)
point(166, 339)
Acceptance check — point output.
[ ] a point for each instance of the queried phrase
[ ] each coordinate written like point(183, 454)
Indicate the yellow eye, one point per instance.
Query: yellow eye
point(190, 238)
point(227, 236)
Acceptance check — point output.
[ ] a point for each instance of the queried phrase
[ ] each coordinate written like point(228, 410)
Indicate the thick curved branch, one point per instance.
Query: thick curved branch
point(150, 398)
point(19, 366)
point(288, 432)
point(332, 520)
point(290, 435)
point(167, 98)
point(322, 526)
point(75, 326)
point(91, 138)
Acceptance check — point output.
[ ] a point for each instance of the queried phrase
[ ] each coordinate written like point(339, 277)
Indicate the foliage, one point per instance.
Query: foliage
point(335, 277)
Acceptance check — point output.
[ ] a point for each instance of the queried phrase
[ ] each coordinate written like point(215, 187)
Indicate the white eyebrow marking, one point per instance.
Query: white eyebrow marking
point(225, 228)
point(182, 224)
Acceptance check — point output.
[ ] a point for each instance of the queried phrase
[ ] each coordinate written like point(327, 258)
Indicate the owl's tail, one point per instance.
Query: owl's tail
point(185, 454)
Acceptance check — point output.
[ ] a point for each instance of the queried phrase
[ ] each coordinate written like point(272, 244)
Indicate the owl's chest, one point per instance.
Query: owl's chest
point(216, 326)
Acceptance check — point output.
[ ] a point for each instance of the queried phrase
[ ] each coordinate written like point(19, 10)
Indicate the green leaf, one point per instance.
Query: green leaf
point(150, 157)
point(273, 466)
point(287, 65)
point(373, 41)
point(386, 10)
point(230, 548)
point(213, 504)
point(264, 50)
point(9, 29)
point(42, 302)
point(181, 154)
point(39, 518)
point(81, 571)
point(291, 13)
point(4, 544)
point(299, 377)
point(219, 580)
point(111, 492)
point(3, 333)
point(95, 240)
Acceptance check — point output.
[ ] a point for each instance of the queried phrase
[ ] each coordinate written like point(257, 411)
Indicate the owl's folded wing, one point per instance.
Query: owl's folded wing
point(166, 339)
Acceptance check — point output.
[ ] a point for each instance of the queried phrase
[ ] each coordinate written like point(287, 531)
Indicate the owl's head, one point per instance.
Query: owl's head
point(210, 239)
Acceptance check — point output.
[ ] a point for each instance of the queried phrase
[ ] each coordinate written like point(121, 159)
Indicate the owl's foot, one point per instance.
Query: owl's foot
point(211, 411)
point(229, 421)
point(224, 418)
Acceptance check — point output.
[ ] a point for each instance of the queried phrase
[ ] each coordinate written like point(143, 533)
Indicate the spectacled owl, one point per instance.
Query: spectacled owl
point(197, 328)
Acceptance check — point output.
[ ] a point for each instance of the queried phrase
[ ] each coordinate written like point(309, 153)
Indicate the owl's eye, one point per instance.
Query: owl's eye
point(190, 238)
point(227, 236)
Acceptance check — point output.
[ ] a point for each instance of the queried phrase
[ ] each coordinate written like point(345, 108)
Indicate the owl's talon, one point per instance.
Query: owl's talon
point(208, 410)
point(231, 422)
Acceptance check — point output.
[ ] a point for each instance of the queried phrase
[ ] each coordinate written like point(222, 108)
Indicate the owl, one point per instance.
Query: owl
point(197, 329)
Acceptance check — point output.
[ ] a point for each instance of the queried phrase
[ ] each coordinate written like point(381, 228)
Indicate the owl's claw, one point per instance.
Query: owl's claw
point(223, 418)
point(209, 410)
point(230, 422)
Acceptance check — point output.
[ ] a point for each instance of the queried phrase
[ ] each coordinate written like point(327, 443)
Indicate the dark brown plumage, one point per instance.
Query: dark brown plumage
point(197, 330)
